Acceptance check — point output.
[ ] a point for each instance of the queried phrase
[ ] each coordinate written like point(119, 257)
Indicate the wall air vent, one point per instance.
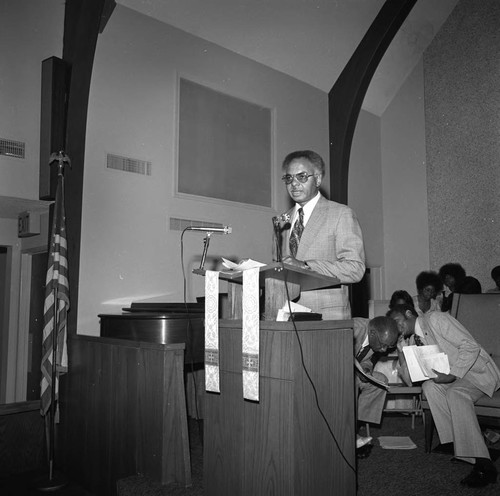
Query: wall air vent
point(181, 224)
point(11, 148)
point(128, 164)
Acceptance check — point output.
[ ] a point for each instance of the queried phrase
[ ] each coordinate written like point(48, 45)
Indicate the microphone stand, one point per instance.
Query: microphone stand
point(206, 242)
point(277, 238)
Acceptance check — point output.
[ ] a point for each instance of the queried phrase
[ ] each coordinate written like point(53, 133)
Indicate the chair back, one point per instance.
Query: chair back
point(377, 308)
point(480, 315)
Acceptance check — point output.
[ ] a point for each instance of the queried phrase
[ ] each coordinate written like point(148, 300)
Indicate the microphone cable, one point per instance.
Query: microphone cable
point(189, 335)
point(327, 423)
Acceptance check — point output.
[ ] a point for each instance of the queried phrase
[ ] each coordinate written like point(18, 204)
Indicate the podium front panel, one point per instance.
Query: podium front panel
point(281, 445)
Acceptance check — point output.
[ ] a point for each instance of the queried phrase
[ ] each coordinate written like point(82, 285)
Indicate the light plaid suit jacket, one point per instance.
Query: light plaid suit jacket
point(331, 244)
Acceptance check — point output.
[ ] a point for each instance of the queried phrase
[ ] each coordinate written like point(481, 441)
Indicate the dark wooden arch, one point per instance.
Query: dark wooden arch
point(83, 21)
point(347, 94)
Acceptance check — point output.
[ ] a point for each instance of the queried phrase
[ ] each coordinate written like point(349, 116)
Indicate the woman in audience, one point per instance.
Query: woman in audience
point(470, 285)
point(400, 297)
point(429, 289)
point(452, 275)
point(495, 275)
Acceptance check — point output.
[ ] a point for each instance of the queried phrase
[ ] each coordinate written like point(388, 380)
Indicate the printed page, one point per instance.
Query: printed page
point(437, 362)
point(396, 442)
point(369, 376)
point(416, 372)
point(422, 359)
point(423, 354)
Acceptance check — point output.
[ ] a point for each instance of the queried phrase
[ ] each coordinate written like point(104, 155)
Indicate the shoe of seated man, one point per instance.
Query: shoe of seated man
point(362, 441)
point(483, 473)
point(363, 446)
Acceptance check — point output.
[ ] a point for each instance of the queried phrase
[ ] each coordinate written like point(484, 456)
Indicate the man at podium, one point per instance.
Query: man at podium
point(322, 235)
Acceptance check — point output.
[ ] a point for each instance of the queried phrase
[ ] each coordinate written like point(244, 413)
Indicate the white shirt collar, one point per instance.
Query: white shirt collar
point(307, 208)
point(418, 329)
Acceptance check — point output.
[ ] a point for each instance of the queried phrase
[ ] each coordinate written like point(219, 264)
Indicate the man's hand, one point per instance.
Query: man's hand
point(293, 261)
point(443, 378)
point(381, 377)
point(400, 343)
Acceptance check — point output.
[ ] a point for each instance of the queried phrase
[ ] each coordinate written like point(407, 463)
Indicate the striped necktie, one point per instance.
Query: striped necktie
point(362, 353)
point(296, 233)
point(418, 340)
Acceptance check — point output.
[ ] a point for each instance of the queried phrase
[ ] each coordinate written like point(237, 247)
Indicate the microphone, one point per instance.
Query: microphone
point(217, 230)
point(282, 218)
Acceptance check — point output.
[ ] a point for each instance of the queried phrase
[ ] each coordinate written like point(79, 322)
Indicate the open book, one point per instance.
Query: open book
point(369, 376)
point(421, 359)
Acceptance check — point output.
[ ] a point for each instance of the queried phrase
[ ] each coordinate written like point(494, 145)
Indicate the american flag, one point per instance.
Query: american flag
point(56, 292)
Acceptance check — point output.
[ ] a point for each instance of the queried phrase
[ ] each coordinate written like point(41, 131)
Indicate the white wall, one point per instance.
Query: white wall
point(404, 187)
point(128, 252)
point(30, 31)
point(388, 187)
point(365, 185)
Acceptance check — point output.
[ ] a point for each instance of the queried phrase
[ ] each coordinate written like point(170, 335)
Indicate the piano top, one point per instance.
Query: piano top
point(158, 327)
point(167, 308)
point(150, 316)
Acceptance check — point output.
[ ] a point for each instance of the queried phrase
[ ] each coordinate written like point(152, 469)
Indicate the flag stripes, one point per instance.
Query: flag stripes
point(56, 294)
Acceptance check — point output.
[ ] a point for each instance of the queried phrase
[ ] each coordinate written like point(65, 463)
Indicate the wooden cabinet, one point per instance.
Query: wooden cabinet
point(282, 445)
point(124, 413)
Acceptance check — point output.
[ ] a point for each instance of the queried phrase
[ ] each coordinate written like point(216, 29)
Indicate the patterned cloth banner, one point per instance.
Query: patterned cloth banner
point(250, 334)
point(56, 295)
point(212, 380)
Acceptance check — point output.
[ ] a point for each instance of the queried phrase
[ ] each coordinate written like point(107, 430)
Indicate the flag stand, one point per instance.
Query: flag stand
point(55, 480)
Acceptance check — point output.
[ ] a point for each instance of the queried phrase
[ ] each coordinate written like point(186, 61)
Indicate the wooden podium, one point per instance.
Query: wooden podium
point(279, 281)
point(282, 445)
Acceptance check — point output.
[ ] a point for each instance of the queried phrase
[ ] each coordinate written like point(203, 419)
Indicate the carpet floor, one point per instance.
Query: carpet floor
point(385, 472)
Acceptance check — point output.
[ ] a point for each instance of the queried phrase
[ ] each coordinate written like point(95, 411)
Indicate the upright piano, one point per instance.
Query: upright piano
point(163, 323)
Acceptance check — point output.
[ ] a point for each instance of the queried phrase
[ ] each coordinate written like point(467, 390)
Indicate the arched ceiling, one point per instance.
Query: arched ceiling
point(311, 40)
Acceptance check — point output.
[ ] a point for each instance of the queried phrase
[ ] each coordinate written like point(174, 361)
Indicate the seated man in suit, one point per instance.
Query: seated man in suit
point(371, 336)
point(451, 397)
point(323, 236)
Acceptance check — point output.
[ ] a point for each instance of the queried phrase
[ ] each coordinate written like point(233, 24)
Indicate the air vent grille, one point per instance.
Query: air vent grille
point(181, 224)
point(129, 164)
point(11, 148)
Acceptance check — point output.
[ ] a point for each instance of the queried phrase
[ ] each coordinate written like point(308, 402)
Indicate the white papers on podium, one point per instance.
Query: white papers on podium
point(421, 359)
point(396, 442)
point(248, 263)
point(284, 313)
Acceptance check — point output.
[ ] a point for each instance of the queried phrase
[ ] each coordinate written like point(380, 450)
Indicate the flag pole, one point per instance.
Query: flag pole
point(52, 415)
point(55, 481)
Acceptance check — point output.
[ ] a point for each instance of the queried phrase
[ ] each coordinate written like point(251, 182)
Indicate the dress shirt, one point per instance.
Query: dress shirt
point(420, 333)
point(307, 208)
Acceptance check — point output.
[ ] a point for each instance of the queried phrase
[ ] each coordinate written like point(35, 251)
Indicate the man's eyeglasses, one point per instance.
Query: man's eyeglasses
point(302, 177)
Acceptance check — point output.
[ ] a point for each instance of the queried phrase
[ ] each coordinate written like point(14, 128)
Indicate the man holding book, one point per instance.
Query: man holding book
point(451, 396)
point(371, 336)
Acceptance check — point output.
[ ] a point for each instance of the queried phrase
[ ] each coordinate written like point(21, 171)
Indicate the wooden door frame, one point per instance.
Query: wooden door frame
point(23, 322)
